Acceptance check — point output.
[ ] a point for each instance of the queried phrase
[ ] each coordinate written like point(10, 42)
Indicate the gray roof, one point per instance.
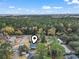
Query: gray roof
point(32, 45)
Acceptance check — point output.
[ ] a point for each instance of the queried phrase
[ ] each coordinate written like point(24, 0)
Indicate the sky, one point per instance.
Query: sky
point(39, 6)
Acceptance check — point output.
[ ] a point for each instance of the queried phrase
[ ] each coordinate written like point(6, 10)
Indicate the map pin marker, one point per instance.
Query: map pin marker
point(34, 39)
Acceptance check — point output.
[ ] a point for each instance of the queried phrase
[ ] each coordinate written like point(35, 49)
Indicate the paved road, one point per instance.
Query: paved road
point(68, 51)
point(71, 57)
point(32, 54)
point(15, 56)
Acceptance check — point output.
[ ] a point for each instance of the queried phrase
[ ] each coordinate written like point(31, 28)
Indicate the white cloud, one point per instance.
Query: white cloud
point(46, 12)
point(19, 8)
point(56, 7)
point(72, 1)
point(51, 7)
point(46, 7)
point(66, 0)
point(43, 10)
point(27, 10)
point(11, 7)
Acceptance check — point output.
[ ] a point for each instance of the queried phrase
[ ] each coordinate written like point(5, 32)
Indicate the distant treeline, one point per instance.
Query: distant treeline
point(17, 21)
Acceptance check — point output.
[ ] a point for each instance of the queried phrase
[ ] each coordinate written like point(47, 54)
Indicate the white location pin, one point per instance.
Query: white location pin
point(34, 39)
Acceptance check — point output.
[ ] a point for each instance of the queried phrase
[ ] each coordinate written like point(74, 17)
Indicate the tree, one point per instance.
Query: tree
point(23, 48)
point(56, 49)
point(52, 31)
point(18, 32)
point(42, 37)
point(74, 44)
point(41, 50)
point(34, 30)
point(8, 30)
point(60, 27)
point(6, 51)
point(40, 30)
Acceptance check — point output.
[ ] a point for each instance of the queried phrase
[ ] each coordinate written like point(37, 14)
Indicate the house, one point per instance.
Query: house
point(33, 46)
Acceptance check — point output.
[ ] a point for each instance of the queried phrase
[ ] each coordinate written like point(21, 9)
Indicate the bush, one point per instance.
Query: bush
point(74, 44)
point(8, 30)
point(52, 31)
point(77, 49)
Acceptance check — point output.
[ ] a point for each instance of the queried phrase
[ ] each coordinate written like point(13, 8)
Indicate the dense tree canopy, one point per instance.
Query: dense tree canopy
point(65, 27)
